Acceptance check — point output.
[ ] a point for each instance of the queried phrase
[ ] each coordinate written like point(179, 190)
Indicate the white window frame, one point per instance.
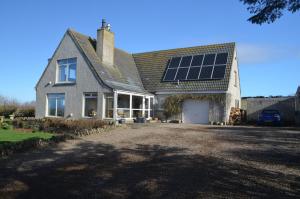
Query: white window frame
point(68, 71)
point(89, 95)
point(57, 96)
point(137, 109)
point(105, 96)
point(143, 109)
point(126, 109)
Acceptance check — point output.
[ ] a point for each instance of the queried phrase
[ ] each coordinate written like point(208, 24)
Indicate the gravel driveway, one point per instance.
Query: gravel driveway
point(161, 161)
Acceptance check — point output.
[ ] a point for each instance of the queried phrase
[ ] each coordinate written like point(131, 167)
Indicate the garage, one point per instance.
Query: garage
point(195, 112)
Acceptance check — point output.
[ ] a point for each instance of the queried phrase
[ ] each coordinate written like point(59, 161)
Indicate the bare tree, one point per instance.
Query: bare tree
point(267, 11)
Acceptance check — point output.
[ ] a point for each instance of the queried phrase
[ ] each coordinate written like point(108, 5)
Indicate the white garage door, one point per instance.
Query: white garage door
point(195, 112)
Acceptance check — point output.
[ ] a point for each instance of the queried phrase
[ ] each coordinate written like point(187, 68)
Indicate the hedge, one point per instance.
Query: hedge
point(58, 125)
point(25, 112)
point(18, 111)
point(6, 110)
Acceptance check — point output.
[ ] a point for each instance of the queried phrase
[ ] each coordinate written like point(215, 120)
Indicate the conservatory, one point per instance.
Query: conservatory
point(128, 105)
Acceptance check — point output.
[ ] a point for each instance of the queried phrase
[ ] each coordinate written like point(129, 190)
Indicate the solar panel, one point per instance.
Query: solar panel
point(221, 58)
point(197, 67)
point(193, 73)
point(209, 59)
point(197, 60)
point(219, 72)
point(174, 62)
point(170, 74)
point(206, 72)
point(185, 61)
point(181, 73)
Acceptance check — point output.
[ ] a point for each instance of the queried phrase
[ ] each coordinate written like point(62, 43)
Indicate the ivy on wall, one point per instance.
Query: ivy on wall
point(173, 104)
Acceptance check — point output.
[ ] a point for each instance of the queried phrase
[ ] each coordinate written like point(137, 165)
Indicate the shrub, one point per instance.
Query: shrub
point(4, 125)
point(69, 126)
point(26, 111)
point(6, 110)
point(58, 125)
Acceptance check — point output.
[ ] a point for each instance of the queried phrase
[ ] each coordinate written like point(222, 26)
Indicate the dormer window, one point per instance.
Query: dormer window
point(66, 70)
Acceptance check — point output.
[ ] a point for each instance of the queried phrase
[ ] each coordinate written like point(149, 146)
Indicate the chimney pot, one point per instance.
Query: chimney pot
point(103, 24)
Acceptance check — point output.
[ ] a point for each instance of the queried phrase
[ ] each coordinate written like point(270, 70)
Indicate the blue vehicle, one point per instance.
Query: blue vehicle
point(271, 117)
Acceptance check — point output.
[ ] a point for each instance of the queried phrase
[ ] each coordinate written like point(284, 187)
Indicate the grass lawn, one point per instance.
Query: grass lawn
point(11, 135)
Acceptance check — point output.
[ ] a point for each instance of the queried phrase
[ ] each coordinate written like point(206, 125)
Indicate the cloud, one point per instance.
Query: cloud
point(262, 53)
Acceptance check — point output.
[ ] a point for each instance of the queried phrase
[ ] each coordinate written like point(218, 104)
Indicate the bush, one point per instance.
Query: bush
point(26, 111)
point(58, 125)
point(6, 110)
point(69, 126)
point(4, 125)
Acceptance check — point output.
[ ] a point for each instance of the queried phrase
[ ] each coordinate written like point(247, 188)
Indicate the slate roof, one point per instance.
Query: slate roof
point(143, 72)
point(122, 76)
point(152, 65)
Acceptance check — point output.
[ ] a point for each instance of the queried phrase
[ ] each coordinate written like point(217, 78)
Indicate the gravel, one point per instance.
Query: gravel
point(161, 161)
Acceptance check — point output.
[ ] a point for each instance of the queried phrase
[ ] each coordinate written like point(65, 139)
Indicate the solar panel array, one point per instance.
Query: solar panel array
point(197, 67)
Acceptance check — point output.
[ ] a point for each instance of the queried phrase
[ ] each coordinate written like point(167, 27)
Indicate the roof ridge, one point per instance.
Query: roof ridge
point(74, 31)
point(87, 36)
point(157, 51)
point(124, 51)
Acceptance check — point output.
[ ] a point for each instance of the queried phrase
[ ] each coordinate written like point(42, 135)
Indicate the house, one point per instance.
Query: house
point(87, 78)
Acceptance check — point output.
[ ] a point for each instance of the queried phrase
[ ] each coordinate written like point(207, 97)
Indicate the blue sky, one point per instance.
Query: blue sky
point(269, 55)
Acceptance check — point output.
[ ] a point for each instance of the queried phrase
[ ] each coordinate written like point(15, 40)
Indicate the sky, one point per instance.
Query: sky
point(30, 31)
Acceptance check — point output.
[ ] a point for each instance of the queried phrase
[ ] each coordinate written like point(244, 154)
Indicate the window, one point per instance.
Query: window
point(146, 107)
point(235, 78)
point(151, 107)
point(90, 104)
point(123, 109)
point(56, 105)
point(123, 101)
point(109, 106)
point(67, 70)
point(137, 106)
point(132, 106)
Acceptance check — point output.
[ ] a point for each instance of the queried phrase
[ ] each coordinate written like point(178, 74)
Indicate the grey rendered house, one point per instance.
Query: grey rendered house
point(88, 78)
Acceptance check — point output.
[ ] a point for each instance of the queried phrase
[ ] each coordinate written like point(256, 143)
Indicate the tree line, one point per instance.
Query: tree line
point(10, 106)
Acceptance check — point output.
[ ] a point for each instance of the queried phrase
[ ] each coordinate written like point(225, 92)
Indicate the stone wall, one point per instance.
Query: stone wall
point(285, 105)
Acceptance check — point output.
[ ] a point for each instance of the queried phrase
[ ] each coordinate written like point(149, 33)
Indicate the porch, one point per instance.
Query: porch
point(128, 105)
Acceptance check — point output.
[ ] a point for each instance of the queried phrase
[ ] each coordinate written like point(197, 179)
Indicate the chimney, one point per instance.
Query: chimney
point(105, 44)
